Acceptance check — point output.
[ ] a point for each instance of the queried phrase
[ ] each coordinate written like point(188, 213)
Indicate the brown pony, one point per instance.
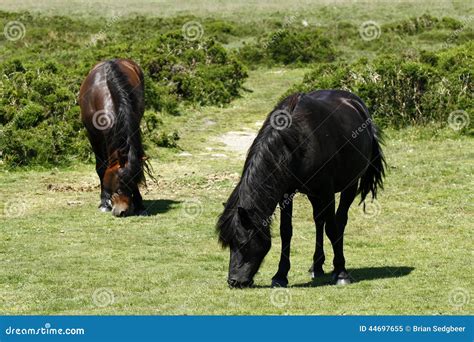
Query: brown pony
point(112, 104)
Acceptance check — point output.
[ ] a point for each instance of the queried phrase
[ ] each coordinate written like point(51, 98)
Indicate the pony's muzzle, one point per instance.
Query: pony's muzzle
point(121, 207)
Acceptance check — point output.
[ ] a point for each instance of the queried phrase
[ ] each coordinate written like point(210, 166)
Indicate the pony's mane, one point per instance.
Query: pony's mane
point(125, 135)
point(266, 169)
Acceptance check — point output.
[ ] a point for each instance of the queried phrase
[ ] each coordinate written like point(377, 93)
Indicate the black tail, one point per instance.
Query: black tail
point(125, 134)
point(372, 179)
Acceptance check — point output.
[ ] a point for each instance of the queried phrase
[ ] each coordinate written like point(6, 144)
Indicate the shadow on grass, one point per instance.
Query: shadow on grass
point(155, 207)
point(361, 274)
point(357, 274)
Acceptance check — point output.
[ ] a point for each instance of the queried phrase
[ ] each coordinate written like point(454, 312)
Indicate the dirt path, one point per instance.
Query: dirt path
point(238, 141)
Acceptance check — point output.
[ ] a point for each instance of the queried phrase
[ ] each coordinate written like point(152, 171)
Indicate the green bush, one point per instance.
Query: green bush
point(197, 72)
point(289, 46)
point(301, 46)
point(423, 23)
point(38, 114)
point(400, 91)
point(163, 139)
point(41, 75)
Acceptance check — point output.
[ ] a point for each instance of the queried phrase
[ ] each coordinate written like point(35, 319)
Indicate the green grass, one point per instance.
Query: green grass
point(413, 257)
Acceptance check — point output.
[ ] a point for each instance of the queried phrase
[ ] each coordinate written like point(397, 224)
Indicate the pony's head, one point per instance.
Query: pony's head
point(244, 226)
point(119, 189)
point(248, 239)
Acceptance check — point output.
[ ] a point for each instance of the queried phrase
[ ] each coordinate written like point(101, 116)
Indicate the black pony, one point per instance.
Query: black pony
point(319, 144)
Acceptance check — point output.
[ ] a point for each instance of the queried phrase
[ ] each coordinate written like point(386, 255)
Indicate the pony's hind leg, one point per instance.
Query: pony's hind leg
point(347, 197)
point(286, 231)
point(319, 213)
point(335, 227)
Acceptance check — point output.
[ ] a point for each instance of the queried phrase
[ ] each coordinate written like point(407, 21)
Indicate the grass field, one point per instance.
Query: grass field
point(410, 254)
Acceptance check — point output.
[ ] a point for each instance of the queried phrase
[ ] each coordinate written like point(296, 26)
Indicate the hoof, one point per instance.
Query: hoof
point(343, 281)
point(341, 278)
point(105, 209)
point(279, 283)
point(316, 273)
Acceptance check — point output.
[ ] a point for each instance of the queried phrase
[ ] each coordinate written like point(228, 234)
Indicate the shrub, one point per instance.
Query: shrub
point(302, 46)
point(289, 46)
point(401, 91)
point(197, 72)
point(40, 79)
point(163, 139)
point(423, 23)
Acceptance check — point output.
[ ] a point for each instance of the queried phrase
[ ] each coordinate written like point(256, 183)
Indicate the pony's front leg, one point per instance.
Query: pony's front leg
point(101, 166)
point(101, 159)
point(138, 206)
point(286, 231)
